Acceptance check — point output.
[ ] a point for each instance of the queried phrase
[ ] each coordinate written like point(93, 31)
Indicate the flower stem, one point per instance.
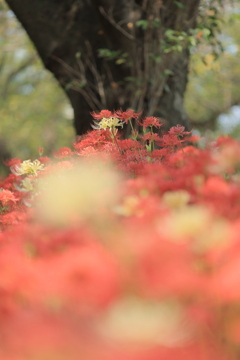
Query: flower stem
point(115, 140)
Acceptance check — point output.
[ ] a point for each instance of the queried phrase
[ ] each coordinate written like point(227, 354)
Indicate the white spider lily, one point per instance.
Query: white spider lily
point(27, 184)
point(27, 167)
point(107, 123)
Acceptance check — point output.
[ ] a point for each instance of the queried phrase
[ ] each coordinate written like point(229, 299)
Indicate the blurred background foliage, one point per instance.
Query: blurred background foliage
point(214, 81)
point(34, 111)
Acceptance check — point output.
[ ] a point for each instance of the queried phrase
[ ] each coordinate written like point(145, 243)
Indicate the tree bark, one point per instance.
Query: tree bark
point(67, 35)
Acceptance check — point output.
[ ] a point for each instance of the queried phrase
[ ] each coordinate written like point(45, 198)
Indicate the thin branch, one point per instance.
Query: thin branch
point(100, 86)
point(88, 93)
point(91, 100)
point(116, 25)
point(65, 65)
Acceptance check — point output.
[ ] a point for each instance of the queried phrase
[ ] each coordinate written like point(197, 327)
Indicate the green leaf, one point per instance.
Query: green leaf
point(156, 22)
point(169, 32)
point(142, 24)
point(192, 41)
point(167, 88)
point(120, 61)
point(158, 59)
point(82, 84)
point(179, 48)
point(108, 54)
point(68, 85)
point(168, 72)
point(130, 78)
point(206, 32)
point(149, 148)
point(179, 5)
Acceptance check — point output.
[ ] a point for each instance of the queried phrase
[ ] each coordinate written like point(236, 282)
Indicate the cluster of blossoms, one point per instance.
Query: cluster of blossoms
point(107, 119)
point(127, 252)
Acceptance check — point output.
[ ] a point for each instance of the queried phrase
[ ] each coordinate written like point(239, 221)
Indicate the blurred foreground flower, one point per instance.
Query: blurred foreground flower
point(80, 192)
point(144, 323)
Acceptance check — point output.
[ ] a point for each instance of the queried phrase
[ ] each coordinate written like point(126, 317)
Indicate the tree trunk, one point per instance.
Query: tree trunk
point(67, 35)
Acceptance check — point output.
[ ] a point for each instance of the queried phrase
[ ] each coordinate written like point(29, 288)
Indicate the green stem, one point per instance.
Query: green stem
point(132, 128)
point(115, 140)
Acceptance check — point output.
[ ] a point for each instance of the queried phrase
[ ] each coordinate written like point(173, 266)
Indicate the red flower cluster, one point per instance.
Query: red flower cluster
point(151, 121)
point(125, 116)
point(147, 265)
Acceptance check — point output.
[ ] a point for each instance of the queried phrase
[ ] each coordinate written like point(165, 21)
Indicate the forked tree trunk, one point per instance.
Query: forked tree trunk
point(67, 35)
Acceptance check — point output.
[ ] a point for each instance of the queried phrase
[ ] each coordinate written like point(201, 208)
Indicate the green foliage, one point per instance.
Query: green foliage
point(143, 24)
point(179, 4)
point(211, 22)
point(150, 71)
point(33, 109)
point(107, 54)
point(214, 80)
point(177, 41)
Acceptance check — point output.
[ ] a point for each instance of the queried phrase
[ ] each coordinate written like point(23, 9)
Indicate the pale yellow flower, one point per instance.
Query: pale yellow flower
point(27, 184)
point(27, 167)
point(107, 123)
point(176, 199)
point(78, 192)
point(135, 321)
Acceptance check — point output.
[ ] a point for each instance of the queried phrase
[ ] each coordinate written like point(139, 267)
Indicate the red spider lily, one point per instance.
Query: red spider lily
point(193, 139)
point(44, 159)
point(151, 121)
point(150, 137)
point(128, 144)
point(40, 150)
point(89, 150)
point(153, 277)
point(179, 131)
point(170, 140)
point(127, 115)
point(63, 153)
point(7, 196)
point(8, 182)
point(95, 138)
point(102, 114)
point(224, 140)
point(12, 162)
